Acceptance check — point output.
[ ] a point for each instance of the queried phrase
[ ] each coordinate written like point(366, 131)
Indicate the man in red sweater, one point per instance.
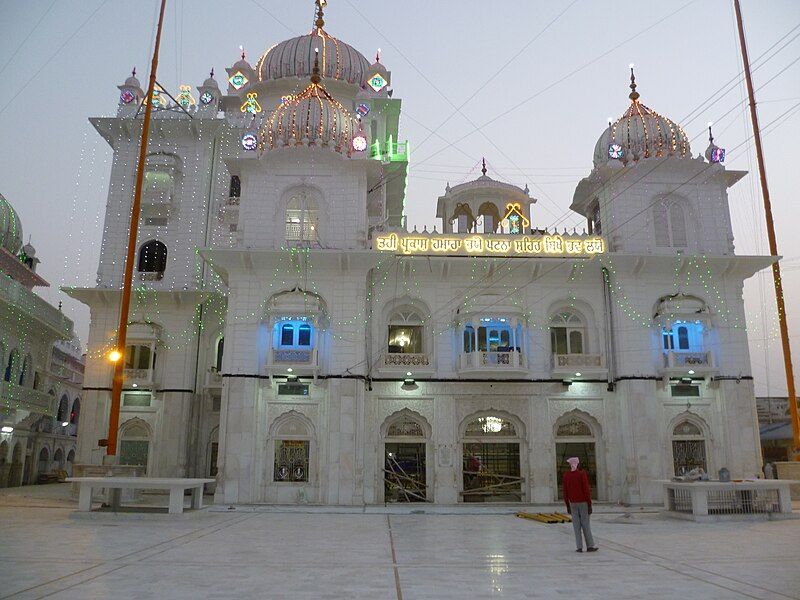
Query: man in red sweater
point(578, 498)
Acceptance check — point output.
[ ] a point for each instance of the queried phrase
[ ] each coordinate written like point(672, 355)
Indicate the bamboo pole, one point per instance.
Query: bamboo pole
point(133, 230)
point(773, 245)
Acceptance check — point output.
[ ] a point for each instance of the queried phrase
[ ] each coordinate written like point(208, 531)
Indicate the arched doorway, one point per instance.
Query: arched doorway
point(58, 459)
point(405, 465)
point(688, 447)
point(43, 465)
point(574, 436)
point(70, 462)
point(5, 465)
point(134, 444)
point(15, 476)
point(491, 465)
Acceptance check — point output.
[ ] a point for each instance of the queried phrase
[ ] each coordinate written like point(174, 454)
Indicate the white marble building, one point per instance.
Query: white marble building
point(291, 338)
point(41, 367)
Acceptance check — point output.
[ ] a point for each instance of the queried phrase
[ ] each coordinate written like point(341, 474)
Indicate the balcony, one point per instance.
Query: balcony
point(687, 364)
point(292, 360)
point(25, 398)
point(23, 300)
point(138, 377)
point(569, 365)
point(389, 151)
point(485, 362)
point(398, 362)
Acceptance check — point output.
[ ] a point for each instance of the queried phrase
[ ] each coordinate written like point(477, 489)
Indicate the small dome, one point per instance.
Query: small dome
point(295, 58)
point(10, 227)
point(313, 115)
point(132, 81)
point(641, 133)
point(29, 251)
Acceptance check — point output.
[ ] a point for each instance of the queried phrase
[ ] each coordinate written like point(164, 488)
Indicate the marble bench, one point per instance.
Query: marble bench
point(115, 485)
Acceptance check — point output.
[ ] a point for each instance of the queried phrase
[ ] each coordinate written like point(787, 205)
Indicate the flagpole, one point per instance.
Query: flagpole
point(125, 301)
point(773, 244)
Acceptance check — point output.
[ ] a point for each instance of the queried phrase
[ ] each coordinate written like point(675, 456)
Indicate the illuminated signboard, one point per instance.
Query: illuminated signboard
point(490, 245)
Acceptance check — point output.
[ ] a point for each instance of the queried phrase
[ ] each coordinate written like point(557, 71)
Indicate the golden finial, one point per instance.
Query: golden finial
point(483, 169)
point(320, 22)
point(634, 95)
point(315, 76)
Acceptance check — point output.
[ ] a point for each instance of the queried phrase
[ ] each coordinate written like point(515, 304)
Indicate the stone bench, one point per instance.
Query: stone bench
point(718, 500)
point(115, 485)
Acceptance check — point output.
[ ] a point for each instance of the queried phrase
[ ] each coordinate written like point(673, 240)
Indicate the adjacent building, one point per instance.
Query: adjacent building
point(42, 367)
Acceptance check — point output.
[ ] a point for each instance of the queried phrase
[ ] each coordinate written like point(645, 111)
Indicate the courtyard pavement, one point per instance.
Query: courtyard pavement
point(47, 553)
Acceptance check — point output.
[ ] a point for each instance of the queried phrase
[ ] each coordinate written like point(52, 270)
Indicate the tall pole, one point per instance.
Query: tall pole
point(125, 301)
point(773, 245)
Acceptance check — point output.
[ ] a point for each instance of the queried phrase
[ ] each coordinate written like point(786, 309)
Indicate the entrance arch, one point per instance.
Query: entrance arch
point(688, 446)
point(492, 447)
point(577, 434)
point(43, 466)
point(407, 472)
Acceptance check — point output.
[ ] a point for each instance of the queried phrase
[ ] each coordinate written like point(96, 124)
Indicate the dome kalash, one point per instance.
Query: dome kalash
point(640, 133)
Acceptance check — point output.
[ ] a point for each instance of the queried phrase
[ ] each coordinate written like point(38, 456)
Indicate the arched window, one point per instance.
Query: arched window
point(567, 331)
point(405, 460)
point(302, 218)
point(70, 462)
point(490, 215)
point(688, 448)
point(235, 190)
point(491, 460)
point(75, 415)
point(11, 365)
point(462, 220)
point(134, 445)
point(574, 437)
point(220, 352)
point(139, 357)
point(669, 222)
point(287, 334)
point(683, 337)
point(63, 409)
point(292, 449)
point(405, 332)
point(304, 335)
point(152, 257)
point(26, 373)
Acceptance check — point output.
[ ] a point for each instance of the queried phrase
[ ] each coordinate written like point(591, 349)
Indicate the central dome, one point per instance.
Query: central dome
point(295, 57)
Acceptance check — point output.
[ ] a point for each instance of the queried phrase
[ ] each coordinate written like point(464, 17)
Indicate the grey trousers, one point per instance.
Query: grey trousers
point(580, 521)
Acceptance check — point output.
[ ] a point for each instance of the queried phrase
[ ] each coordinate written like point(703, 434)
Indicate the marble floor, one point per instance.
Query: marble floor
point(44, 553)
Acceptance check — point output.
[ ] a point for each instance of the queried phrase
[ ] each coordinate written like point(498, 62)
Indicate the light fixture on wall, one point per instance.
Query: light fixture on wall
point(577, 374)
point(6, 429)
point(409, 385)
point(64, 423)
point(691, 371)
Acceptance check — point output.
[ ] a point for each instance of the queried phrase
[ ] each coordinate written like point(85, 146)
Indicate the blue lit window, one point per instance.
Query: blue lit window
point(493, 335)
point(304, 335)
point(683, 337)
point(294, 333)
point(287, 335)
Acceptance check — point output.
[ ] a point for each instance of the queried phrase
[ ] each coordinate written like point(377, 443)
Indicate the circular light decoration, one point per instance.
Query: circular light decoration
point(126, 97)
point(249, 141)
point(718, 155)
point(360, 143)
point(206, 98)
point(362, 110)
point(615, 151)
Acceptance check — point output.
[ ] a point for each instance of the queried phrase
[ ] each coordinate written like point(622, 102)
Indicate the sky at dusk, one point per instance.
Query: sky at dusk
point(527, 84)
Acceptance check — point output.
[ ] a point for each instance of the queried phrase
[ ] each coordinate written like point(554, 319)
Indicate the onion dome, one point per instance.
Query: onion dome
point(295, 57)
point(714, 154)
point(640, 133)
point(312, 117)
point(10, 227)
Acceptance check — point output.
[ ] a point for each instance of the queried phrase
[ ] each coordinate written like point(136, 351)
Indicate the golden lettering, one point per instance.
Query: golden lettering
point(553, 244)
point(473, 244)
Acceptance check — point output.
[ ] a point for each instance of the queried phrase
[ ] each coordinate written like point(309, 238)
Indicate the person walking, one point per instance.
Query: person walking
point(578, 498)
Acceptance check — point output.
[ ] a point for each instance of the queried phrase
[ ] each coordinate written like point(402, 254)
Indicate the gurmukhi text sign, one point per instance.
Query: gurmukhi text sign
point(490, 245)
